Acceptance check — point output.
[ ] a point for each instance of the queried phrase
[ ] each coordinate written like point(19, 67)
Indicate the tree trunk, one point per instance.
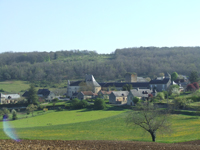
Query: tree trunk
point(153, 135)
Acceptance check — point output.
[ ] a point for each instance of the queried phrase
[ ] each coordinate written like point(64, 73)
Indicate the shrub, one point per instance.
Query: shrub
point(59, 109)
point(99, 104)
point(190, 87)
point(194, 98)
point(78, 104)
point(171, 87)
point(14, 114)
point(83, 103)
point(175, 92)
point(40, 107)
point(135, 100)
point(196, 85)
point(181, 102)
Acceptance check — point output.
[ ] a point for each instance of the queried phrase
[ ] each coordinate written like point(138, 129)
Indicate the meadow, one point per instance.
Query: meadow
point(98, 125)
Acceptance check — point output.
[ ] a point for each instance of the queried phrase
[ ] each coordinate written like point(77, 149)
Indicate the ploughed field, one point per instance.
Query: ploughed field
point(96, 145)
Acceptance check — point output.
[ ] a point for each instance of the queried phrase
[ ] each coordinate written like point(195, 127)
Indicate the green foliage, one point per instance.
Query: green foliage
point(135, 100)
point(4, 111)
point(174, 76)
point(31, 108)
point(175, 92)
point(78, 104)
point(32, 66)
point(181, 102)
point(59, 109)
point(193, 77)
point(161, 95)
point(171, 88)
point(14, 114)
point(127, 87)
point(194, 98)
point(99, 104)
point(32, 95)
point(1, 90)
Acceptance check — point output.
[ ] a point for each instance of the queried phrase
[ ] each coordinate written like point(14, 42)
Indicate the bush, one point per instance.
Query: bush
point(99, 104)
point(196, 85)
point(14, 114)
point(59, 109)
point(190, 87)
point(40, 107)
point(194, 98)
point(135, 100)
point(181, 103)
point(78, 104)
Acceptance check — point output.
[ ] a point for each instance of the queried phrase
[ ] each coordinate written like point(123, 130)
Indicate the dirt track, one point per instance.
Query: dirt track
point(95, 145)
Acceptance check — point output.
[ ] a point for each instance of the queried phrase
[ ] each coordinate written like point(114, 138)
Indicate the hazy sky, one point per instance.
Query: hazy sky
point(101, 25)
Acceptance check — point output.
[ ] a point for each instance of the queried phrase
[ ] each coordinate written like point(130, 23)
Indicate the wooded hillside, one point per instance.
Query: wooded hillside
point(56, 66)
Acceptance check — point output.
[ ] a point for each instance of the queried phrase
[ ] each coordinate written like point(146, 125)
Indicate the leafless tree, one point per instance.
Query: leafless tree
point(151, 119)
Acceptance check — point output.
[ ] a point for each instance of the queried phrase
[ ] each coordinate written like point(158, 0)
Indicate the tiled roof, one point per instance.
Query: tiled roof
point(106, 92)
point(120, 93)
point(155, 81)
point(121, 84)
point(89, 93)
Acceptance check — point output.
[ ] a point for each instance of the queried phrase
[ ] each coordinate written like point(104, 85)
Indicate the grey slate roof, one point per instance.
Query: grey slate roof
point(120, 93)
point(44, 92)
point(121, 84)
point(140, 92)
point(90, 80)
point(164, 81)
point(76, 83)
point(25, 94)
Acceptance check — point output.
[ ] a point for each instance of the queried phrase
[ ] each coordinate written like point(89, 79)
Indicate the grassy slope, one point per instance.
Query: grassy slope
point(14, 86)
point(99, 125)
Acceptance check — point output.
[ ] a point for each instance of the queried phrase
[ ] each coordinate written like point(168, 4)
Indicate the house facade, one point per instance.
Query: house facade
point(7, 98)
point(86, 95)
point(118, 97)
point(88, 84)
point(161, 84)
point(140, 93)
point(104, 94)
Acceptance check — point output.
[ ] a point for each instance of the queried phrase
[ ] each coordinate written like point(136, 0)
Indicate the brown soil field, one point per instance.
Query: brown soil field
point(95, 145)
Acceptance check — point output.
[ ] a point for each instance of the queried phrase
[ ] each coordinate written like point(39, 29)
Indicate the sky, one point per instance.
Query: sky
point(99, 25)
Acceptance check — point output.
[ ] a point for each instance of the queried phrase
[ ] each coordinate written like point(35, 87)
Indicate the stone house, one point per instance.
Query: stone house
point(86, 95)
point(46, 94)
point(104, 94)
point(7, 98)
point(118, 97)
point(43, 93)
point(161, 84)
point(89, 84)
point(140, 93)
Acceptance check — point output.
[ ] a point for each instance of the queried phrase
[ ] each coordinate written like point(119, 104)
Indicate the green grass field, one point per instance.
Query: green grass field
point(14, 86)
point(98, 125)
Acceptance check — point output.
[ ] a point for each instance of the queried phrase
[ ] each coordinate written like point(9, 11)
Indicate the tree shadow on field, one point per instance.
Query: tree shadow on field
point(108, 108)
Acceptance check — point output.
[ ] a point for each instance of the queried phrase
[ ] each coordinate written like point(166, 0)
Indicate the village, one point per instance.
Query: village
point(121, 93)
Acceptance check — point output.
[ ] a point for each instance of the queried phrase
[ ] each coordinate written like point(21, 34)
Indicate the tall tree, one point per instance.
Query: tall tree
point(174, 76)
point(31, 108)
point(32, 95)
point(150, 119)
point(193, 76)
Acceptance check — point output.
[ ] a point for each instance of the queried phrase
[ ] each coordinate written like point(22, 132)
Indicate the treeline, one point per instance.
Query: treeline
point(60, 65)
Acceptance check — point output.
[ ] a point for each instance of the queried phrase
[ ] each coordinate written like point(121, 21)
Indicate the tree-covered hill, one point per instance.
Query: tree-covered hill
point(56, 66)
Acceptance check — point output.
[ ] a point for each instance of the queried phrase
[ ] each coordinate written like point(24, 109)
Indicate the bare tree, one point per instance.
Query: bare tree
point(151, 119)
